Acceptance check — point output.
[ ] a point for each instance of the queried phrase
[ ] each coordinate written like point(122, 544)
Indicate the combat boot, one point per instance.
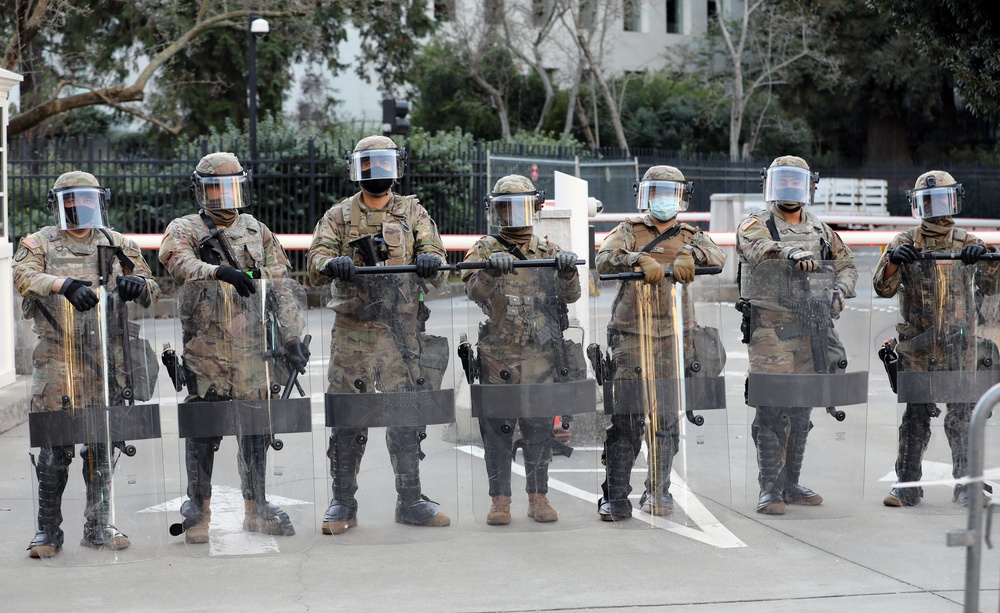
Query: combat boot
point(412, 507)
point(266, 518)
point(903, 497)
point(770, 458)
point(340, 516)
point(52, 469)
point(540, 510)
point(658, 505)
point(104, 537)
point(197, 533)
point(798, 494)
point(499, 514)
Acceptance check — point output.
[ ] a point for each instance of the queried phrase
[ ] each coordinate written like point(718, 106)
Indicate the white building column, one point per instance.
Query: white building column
point(8, 80)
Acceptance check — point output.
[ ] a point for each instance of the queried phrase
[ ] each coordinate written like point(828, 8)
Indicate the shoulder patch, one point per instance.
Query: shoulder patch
point(749, 221)
point(31, 242)
point(21, 254)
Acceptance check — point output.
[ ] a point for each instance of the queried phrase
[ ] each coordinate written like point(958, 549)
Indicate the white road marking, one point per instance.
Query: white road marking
point(711, 532)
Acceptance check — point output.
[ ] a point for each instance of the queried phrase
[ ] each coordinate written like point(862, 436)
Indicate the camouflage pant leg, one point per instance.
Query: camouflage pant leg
point(498, 442)
point(956, 428)
point(796, 452)
point(97, 473)
point(251, 463)
point(52, 470)
point(662, 442)
point(403, 443)
point(622, 445)
point(771, 431)
point(538, 439)
point(914, 436)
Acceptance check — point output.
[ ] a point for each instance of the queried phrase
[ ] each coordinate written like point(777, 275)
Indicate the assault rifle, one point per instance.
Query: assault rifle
point(815, 322)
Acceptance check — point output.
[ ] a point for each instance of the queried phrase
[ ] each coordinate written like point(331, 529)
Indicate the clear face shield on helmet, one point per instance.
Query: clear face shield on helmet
point(935, 201)
point(376, 164)
point(663, 199)
point(80, 208)
point(514, 210)
point(789, 184)
point(215, 192)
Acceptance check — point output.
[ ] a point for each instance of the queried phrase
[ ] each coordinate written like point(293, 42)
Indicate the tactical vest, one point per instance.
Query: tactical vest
point(75, 259)
point(937, 292)
point(624, 316)
point(523, 308)
point(396, 228)
point(773, 285)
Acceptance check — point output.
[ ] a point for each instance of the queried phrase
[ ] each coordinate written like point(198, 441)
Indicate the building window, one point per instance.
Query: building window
point(444, 10)
point(673, 16)
point(713, 10)
point(633, 15)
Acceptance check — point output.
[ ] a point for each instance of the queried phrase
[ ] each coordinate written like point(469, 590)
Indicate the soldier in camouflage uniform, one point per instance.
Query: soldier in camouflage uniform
point(661, 194)
point(784, 230)
point(54, 270)
point(519, 340)
point(216, 349)
point(935, 198)
point(367, 346)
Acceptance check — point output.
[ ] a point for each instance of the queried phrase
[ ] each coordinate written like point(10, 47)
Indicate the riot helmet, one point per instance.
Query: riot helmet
point(789, 183)
point(376, 163)
point(220, 182)
point(78, 201)
point(513, 203)
point(935, 194)
point(663, 192)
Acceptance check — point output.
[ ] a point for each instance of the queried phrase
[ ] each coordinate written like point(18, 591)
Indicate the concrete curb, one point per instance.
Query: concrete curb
point(14, 403)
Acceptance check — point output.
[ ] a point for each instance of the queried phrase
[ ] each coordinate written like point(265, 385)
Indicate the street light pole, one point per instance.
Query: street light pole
point(258, 27)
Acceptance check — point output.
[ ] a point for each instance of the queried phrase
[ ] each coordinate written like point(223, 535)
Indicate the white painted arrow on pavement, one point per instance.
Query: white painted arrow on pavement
point(227, 537)
point(711, 532)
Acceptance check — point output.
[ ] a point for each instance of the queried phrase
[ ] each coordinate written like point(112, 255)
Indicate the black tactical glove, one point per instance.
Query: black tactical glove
point(803, 259)
point(566, 264)
point(130, 287)
point(340, 267)
point(972, 252)
point(500, 263)
point(237, 278)
point(904, 254)
point(79, 294)
point(427, 265)
point(298, 354)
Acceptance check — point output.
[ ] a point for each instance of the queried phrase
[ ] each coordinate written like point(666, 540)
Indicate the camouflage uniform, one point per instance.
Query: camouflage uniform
point(520, 337)
point(934, 293)
point(223, 335)
point(375, 346)
point(67, 360)
point(779, 433)
point(620, 252)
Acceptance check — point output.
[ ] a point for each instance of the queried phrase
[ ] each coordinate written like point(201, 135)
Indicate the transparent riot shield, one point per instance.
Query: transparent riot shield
point(659, 358)
point(95, 407)
point(530, 406)
point(388, 380)
point(945, 352)
point(245, 424)
point(807, 383)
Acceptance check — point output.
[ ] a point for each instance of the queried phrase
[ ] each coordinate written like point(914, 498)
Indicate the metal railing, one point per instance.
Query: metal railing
point(974, 534)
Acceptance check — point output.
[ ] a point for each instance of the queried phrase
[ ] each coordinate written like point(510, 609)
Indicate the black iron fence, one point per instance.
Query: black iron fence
point(296, 182)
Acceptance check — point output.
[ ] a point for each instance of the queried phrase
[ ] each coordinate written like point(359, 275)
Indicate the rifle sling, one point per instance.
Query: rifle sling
point(217, 233)
point(510, 247)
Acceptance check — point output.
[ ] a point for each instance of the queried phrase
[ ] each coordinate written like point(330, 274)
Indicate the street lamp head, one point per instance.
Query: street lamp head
point(259, 26)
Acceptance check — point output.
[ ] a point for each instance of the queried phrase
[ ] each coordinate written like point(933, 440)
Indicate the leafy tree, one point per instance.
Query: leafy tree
point(180, 65)
point(963, 36)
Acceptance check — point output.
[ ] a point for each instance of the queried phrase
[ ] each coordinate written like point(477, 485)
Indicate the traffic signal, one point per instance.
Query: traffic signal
point(394, 117)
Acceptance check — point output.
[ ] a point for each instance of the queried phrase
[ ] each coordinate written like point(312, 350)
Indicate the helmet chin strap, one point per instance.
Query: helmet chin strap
point(790, 208)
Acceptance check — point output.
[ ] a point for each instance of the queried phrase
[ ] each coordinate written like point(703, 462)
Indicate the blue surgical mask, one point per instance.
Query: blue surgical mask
point(663, 208)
